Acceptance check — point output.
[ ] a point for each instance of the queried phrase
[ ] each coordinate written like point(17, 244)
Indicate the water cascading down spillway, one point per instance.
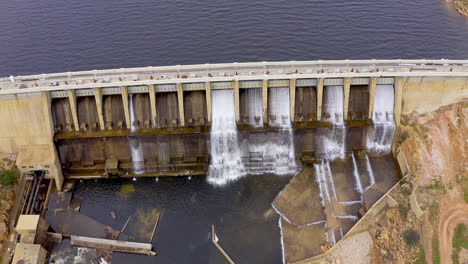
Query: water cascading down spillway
point(332, 147)
point(334, 143)
point(276, 155)
point(380, 140)
point(135, 147)
point(254, 105)
point(226, 164)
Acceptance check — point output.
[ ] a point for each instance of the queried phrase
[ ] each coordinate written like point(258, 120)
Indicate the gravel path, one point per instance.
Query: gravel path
point(353, 250)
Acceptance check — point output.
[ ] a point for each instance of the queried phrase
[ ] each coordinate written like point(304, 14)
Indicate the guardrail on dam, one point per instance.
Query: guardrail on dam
point(88, 123)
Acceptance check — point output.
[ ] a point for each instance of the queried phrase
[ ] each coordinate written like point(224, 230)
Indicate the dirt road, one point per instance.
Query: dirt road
point(449, 219)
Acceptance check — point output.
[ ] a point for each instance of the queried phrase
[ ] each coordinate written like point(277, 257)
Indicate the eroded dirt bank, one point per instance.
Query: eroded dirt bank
point(435, 150)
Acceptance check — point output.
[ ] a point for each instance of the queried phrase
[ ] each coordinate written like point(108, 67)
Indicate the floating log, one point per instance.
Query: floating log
point(215, 242)
point(114, 245)
point(155, 225)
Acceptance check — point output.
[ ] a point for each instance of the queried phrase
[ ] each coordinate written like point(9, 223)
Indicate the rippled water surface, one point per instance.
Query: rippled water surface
point(56, 35)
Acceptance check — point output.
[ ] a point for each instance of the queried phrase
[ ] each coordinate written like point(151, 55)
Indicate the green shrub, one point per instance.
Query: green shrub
point(460, 238)
point(437, 185)
point(463, 181)
point(404, 135)
point(421, 258)
point(8, 177)
point(455, 256)
point(411, 237)
point(403, 210)
point(405, 190)
point(435, 251)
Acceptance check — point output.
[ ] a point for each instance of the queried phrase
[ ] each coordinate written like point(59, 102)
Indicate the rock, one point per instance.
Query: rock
point(3, 231)
point(6, 205)
point(4, 217)
point(383, 252)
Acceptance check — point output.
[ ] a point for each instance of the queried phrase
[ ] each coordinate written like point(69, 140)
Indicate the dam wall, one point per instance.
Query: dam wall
point(26, 129)
point(426, 94)
point(107, 123)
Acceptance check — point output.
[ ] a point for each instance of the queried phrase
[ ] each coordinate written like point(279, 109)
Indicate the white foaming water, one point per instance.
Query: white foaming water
point(282, 242)
point(279, 107)
point(380, 141)
point(330, 178)
point(276, 156)
point(255, 106)
point(320, 174)
point(226, 162)
point(334, 143)
point(136, 151)
point(370, 171)
point(356, 175)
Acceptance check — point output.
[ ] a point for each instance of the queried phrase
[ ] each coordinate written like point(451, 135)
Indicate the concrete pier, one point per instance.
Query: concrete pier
point(124, 91)
point(208, 100)
point(346, 88)
point(292, 98)
point(265, 101)
point(74, 111)
point(180, 98)
point(319, 98)
point(372, 87)
point(98, 98)
point(236, 100)
point(152, 95)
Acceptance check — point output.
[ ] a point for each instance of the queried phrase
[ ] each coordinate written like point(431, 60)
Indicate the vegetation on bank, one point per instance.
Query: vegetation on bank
point(460, 240)
point(422, 257)
point(461, 6)
point(411, 237)
point(463, 182)
point(8, 177)
point(435, 251)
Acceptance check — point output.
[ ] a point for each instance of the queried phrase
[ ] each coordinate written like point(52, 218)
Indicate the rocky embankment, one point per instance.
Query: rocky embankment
point(435, 151)
point(8, 179)
point(461, 6)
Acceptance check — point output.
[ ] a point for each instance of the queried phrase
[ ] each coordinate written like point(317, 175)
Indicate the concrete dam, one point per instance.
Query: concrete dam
point(246, 118)
point(332, 124)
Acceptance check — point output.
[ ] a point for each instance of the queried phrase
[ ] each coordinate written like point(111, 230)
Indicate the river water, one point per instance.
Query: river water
point(246, 225)
point(57, 35)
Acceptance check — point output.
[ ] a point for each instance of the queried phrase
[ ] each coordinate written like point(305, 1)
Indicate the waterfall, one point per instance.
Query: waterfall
point(370, 171)
point(330, 178)
point(279, 107)
point(381, 138)
point(322, 182)
point(356, 175)
point(226, 162)
point(277, 154)
point(254, 107)
point(136, 151)
point(334, 143)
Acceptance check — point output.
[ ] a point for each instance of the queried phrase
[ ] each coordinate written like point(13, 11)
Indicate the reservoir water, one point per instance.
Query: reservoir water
point(59, 36)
